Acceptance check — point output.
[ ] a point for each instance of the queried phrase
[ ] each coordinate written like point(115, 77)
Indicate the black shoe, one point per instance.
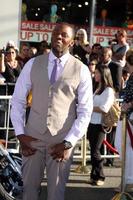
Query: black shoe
point(92, 181)
point(109, 164)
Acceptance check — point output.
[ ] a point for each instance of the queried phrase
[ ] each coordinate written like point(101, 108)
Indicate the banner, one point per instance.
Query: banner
point(36, 31)
point(103, 35)
point(32, 31)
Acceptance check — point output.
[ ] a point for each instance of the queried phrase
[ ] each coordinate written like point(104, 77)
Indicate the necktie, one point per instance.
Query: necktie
point(54, 71)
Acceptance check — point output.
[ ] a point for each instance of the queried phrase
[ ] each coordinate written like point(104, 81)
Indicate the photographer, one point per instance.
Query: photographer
point(120, 48)
point(10, 68)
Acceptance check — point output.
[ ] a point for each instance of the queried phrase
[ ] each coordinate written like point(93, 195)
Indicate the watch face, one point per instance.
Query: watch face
point(67, 144)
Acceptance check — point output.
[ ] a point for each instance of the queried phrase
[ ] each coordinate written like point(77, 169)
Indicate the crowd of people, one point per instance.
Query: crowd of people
point(12, 59)
point(72, 85)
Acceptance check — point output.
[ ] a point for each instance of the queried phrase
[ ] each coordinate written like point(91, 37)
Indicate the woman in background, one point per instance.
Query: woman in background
point(102, 102)
point(81, 48)
point(10, 67)
point(92, 67)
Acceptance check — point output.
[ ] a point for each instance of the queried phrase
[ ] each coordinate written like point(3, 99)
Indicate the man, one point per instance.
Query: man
point(95, 52)
point(44, 47)
point(59, 115)
point(120, 49)
point(23, 56)
point(116, 70)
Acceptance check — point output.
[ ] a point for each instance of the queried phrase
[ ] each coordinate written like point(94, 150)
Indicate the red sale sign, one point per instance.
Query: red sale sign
point(103, 35)
point(36, 31)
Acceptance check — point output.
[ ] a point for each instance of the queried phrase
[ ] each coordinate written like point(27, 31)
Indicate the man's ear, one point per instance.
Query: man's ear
point(71, 43)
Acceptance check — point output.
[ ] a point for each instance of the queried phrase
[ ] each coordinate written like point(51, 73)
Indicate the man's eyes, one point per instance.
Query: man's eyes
point(65, 35)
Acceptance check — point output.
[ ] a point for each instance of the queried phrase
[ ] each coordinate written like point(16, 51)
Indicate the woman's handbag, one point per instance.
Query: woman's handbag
point(111, 118)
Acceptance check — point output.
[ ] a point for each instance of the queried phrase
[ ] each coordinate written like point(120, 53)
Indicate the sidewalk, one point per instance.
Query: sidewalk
point(78, 187)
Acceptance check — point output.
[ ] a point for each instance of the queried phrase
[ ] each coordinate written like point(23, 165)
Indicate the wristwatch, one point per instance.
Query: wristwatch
point(67, 145)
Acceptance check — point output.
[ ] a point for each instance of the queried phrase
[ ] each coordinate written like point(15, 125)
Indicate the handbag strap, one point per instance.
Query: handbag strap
point(130, 133)
point(123, 48)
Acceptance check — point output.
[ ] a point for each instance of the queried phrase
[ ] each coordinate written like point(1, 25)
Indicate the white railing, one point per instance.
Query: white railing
point(6, 125)
point(82, 150)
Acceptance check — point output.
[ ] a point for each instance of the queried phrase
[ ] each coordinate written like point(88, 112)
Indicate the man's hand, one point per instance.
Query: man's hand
point(59, 153)
point(25, 142)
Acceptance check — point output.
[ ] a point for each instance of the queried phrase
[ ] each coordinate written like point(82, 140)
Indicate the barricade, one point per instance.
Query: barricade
point(6, 125)
point(82, 150)
point(7, 88)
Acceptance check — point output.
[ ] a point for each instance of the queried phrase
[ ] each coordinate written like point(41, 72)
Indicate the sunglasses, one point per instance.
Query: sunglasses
point(81, 34)
point(10, 52)
point(26, 49)
point(92, 63)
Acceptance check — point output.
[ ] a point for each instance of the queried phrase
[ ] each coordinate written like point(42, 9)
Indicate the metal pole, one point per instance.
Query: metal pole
point(91, 21)
point(84, 151)
point(84, 168)
point(124, 130)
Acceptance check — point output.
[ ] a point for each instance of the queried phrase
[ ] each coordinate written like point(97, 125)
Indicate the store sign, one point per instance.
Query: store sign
point(103, 35)
point(37, 31)
point(35, 36)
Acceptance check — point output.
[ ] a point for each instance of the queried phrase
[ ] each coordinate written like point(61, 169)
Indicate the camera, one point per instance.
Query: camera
point(112, 42)
point(3, 51)
point(76, 38)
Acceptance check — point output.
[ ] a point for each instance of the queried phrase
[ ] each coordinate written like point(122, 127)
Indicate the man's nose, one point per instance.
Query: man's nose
point(59, 36)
